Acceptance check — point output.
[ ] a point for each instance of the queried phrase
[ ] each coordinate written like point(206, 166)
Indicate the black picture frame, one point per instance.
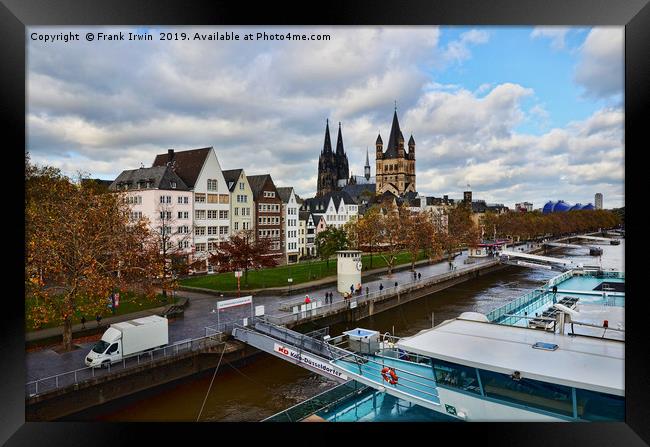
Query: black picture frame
point(15, 15)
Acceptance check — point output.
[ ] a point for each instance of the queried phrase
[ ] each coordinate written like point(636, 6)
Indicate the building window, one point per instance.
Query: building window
point(212, 230)
point(186, 200)
point(199, 198)
point(213, 198)
point(199, 231)
point(212, 214)
point(199, 214)
point(223, 214)
point(269, 194)
point(236, 225)
point(180, 199)
point(241, 186)
point(200, 246)
point(173, 185)
point(236, 211)
point(224, 198)
point(223, 230)
point(212, 185)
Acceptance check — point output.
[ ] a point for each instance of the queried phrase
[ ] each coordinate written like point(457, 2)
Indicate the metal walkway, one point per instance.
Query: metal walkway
point(535, 261)
point(300, 349)
point(415, 380)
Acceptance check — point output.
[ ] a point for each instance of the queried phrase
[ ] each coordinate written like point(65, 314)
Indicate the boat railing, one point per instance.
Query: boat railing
point(577, 323)
point(404, 375)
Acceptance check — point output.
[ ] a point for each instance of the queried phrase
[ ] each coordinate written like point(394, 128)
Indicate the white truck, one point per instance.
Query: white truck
point(128, 338)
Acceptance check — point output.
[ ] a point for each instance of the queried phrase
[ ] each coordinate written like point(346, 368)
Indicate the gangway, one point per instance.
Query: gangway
point(594, 251)
point(562, 245)
point(302, 350)
point(601, 239)
point(415, 380)
point(513, 255)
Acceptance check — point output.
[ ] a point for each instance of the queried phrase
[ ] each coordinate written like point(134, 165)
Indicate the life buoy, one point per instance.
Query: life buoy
point(389, 375)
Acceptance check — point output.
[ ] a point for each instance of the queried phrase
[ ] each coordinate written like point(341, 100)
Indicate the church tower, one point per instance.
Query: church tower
point(395, 168)
point(327, 169)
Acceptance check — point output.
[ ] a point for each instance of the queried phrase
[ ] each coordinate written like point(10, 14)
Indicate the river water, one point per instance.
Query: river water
point(268, 385)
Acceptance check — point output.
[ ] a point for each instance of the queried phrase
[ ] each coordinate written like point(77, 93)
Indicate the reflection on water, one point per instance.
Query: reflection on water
point(268, 385)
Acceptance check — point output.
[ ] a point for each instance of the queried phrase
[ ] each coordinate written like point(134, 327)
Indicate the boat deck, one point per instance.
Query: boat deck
point(414, 380)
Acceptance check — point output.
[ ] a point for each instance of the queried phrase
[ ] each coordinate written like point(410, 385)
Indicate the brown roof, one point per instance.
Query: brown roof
point(186, 164)
point(257, 183)
point(231, 176)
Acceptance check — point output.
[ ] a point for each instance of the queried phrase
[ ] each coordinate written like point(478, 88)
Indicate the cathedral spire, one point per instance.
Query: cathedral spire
point(339, 143)
point(366, 168)
point(327, 146)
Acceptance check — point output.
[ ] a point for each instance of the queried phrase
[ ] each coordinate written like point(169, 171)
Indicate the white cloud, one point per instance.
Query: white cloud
point(557, 34)
point(600, 69)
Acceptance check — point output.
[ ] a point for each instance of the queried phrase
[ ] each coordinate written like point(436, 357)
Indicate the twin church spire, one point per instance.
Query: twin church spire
point(395, 167)
point(333, 167)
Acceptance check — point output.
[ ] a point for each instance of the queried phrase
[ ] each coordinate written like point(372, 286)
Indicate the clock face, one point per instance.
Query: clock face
point(359, 265)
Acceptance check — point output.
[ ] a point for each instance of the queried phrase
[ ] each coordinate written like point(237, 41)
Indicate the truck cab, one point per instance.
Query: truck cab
point(107, 350)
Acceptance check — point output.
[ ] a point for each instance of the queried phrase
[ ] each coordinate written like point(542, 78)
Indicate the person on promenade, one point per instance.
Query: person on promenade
point(351, 289)
point(367, 290)
point(83, 322)
point(381, 287)
point(98, 318)
point(396, 284)
point(419, 275)
point(307, 299)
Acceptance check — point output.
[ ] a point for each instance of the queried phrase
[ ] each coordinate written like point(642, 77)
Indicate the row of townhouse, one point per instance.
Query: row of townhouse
point(187, 197)
point(316, 214)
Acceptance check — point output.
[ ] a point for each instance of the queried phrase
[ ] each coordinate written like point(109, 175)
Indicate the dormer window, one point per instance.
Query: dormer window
point(173, 185)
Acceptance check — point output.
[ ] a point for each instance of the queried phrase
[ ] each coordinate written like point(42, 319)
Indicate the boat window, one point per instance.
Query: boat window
point(528, 392)
point(456, 376)
point(595, 406)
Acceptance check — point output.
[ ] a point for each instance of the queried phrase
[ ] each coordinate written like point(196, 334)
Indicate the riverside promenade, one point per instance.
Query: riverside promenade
point(56, 386)
point(201, 313)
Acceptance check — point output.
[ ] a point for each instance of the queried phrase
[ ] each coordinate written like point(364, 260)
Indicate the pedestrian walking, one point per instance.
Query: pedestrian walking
point(419, 275)
point(83, 322)
point(395, 283)
point(351, 289)
point(367, 290)
point(99, 319)
point(381, 287)
point(307, 299)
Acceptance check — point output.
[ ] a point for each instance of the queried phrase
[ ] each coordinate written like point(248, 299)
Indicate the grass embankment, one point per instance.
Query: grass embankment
point(129, 303)
point(277, 276)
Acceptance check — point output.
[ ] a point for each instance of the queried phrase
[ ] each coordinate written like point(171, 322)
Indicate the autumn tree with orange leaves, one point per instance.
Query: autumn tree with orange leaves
point(243, 251)
point(80, 247)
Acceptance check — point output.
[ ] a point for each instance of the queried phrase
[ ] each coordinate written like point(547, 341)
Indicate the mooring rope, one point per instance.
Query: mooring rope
point(211, 382)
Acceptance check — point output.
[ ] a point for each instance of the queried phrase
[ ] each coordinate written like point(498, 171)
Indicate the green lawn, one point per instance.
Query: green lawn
point(129, 303)
point(277, 276)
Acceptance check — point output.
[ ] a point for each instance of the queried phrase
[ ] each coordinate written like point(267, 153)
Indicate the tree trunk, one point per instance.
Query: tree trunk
point(67, 334)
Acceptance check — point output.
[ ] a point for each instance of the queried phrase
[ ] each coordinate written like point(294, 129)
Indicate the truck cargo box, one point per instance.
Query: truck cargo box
point(142, 334)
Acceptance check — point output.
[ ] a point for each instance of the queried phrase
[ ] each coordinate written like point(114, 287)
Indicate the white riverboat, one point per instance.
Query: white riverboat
point(556, 354)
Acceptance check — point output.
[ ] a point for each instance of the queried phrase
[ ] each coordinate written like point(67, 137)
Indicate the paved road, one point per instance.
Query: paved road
point(200, 313)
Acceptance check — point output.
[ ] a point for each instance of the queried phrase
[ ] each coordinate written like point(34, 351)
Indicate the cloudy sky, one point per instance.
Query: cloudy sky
point(518, 113)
